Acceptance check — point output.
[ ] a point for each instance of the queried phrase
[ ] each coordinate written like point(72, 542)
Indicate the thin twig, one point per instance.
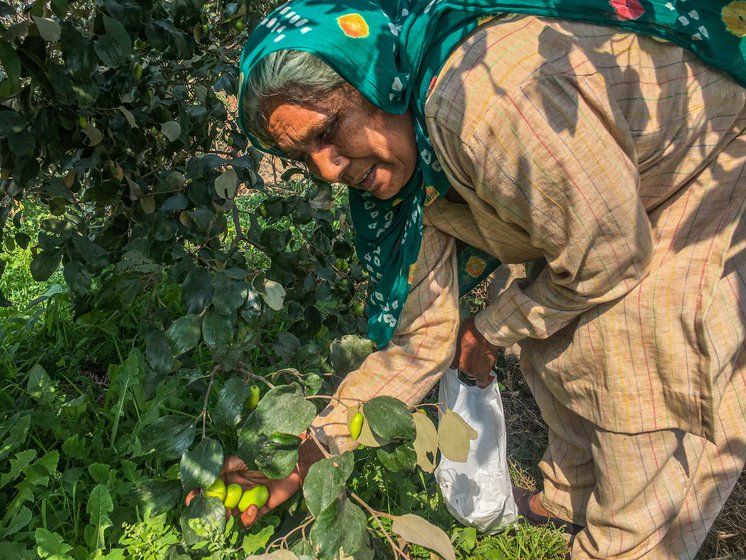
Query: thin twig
point(245, 370)
point(375, 515)
point(207, 396)
point(278, 542)
point(319, 445)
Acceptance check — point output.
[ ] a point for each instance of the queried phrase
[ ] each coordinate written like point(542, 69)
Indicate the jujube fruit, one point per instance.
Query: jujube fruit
point(216, 489)
point(257, 496)
point(356, 425)
point(232, 495)
point(253, 399)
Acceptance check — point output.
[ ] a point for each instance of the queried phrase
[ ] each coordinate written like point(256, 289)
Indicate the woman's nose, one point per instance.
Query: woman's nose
point(328, 163)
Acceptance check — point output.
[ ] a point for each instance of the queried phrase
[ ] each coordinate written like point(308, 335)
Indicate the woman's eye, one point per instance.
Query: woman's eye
point(328, 131)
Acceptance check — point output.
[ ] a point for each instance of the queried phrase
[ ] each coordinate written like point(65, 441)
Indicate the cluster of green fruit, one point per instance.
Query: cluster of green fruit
point(233, 495)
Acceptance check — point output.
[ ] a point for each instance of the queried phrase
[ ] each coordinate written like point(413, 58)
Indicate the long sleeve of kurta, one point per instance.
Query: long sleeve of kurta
point(542, 153)
point(420, 351)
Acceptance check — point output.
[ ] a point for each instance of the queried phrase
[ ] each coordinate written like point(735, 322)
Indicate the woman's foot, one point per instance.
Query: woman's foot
point(530, 507)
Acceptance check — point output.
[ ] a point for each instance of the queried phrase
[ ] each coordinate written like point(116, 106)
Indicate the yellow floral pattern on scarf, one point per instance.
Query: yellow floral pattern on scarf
point(734, 17)
point(475, 267)
point(354, 25)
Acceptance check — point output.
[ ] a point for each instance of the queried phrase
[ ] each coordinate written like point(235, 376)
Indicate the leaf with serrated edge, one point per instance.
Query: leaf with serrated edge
point(200, 467)
point(325, 482)
point(426, 441)
point(367, 437)
point(412, 528)
point(454, 435)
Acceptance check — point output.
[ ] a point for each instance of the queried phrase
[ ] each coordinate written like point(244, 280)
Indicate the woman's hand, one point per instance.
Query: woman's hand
point(234, 470)
point(475, 355)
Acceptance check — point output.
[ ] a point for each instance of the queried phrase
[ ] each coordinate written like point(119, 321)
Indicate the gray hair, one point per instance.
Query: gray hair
point(297, 77)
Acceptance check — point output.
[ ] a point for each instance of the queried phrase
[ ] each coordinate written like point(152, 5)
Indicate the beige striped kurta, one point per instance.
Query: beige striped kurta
point(617, 160)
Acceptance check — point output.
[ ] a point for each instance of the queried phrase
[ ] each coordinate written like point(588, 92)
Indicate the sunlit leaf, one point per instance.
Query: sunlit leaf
point(454, 435)
point(171, 130)
point(49, 29)
point(231, 402)
point(274, 294)
point(158, 496)
point(426, 441)
point(217, 330)
point(203, 516)
point(99, 506)
point(226, 184)
point(347, 353)
point(414, 529)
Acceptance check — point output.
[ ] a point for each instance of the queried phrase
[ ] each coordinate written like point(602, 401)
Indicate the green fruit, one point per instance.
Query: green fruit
point(257, 496)
point(83, 122)
point(356, 425)
point(358, 308)
point(263, 211)
point(285, 440)
point(216, 489)
point(232, 495)
point(239, 25)
point(254, 396)
point(138, 71)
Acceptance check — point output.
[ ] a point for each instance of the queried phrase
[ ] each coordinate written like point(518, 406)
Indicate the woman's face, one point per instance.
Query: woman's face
point(346, 139)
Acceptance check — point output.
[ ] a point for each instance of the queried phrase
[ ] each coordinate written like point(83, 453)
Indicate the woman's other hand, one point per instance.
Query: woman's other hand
point(475, 355)
point(234, 470)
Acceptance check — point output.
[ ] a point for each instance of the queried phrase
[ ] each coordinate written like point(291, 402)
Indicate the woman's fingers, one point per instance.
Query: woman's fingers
point(191, 495)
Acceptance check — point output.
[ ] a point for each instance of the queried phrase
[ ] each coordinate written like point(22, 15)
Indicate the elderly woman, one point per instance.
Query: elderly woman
point(584, 137)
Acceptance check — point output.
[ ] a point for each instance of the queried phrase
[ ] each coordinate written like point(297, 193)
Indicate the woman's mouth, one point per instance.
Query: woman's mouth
point(368, 179)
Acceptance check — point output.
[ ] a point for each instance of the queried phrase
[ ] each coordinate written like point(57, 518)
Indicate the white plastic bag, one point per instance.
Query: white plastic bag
point(477, 492)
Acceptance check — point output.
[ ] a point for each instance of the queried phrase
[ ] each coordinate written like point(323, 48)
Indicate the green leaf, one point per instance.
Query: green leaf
point(196, 290)
point(94, 135)
point(203, 517)
point(77, 51)
point(171, 130)
point(286, 345)
point(325, 482)
point(226, 184)
point(273, 295)
point(158, 496)
point(51, 545)
point(13, 433)
point(217, 330)
point(412, 528)
point(274, 461)
point(284, 409)
point(349, 352)
point(49, 29)
point(18, 522)
point(16, 550)
point(44, 264)
point(258, 541)
point(99, 507)
point(200, 467)
point(158, 351)
point(389, 418)
point(115, 46)
point(341, 525)
point(229, 294)
point(169, 436)
point(426, 441)
point(397, 458)
point(184, 333)
point(6, 10)
point(454, 435)
point(11, 85)
point(40, 385)
point(231, 402)
point(77, 278)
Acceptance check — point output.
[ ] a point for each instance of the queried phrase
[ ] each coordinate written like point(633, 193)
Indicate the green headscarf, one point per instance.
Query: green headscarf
point(390, 50)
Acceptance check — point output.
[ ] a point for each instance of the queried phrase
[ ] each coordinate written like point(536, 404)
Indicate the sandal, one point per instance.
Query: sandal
point(522, 498)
